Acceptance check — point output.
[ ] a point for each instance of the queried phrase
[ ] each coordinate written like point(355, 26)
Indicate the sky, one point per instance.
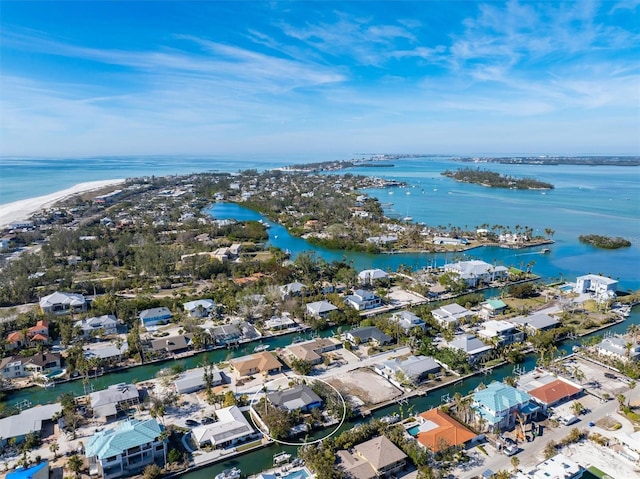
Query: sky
point(215, 77)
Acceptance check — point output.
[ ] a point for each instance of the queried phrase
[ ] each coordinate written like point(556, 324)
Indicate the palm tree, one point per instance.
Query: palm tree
point(515, 462)
point(75, 464)
point(164, 435)
point(54, 449)
point(577, 408)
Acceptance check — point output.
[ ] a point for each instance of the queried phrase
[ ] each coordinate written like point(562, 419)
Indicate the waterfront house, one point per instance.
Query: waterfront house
point(407, 321)
point(172, 344)
point(193, 380)
point(28, 421)
point(63, 303)
point(362, 299)
point(373, 459)
point(619, 348)
point(230, 429)
point(445, 240)
point(548, 390)
point(536, 322)
point(320, 309)
point(311, 351)
point(501, 333)
point(475, 272)
point(106, 351)
point(368, 334)
point(499, 404)
point(492, 308)
point(599, 286)
point(414, 369)
point(370, 276)
point(438, 431)
point(43, 363)
point(474, 348)
point(12, 367)
point(226, 334)
point(280, 323)
point(258, 363)
point(292, 289)
point(151, 318)
point(37, 471)
point(117, 398)
point(297, 398)
point(200, 308)
point(450, 315)
point(98, 326)
point(127, 449)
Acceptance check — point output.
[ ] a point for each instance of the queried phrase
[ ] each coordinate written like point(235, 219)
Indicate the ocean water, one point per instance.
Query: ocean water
point(591, 199)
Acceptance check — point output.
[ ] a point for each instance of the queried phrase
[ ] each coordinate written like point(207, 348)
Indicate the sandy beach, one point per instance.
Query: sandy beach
point(23, 209)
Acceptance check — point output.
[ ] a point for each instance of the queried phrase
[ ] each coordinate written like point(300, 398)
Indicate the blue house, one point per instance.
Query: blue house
point(39, 471)
point(500, 404)
point(155, 317)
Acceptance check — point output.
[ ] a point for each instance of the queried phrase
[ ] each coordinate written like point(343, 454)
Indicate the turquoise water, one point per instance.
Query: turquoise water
point(414, 430)
point(301, 474)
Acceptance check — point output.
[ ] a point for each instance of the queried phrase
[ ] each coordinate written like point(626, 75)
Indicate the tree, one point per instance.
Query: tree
point(54, 449)
point(577, 408)
point(515, 462)
point(229, 399)
point(152, 471)
point(75, 464)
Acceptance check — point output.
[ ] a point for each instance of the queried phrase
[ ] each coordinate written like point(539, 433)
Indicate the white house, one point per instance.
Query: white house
point(502, 332)
point(193, 380)
point(320, 309)
point(472, 346)
point(415, 368)
point(362, 299)
point(369, 276)
point(98, 325)
point(292, 289)
point(600, 286)
point(475, 271)
point(200, 308)
point(450, 314)
point(618, 348)
point(407, 320)
point(63, 303)
point(13, 367)
point(231, 428)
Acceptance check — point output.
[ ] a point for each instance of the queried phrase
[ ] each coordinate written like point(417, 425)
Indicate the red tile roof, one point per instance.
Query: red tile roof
point(554, 391)
point(449, 431)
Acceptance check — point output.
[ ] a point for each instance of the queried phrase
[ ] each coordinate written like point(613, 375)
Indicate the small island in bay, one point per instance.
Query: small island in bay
point(605, 242)
point(496, 180)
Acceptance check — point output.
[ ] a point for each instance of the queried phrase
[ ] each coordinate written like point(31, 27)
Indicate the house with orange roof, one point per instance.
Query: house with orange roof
point(437, 431)
point(39, 332)
point(15, 340)
point(257, 363)
point(548, 390)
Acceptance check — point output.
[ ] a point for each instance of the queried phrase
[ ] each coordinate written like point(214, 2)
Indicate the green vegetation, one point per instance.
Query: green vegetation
point(605, 242)
point(496, 180)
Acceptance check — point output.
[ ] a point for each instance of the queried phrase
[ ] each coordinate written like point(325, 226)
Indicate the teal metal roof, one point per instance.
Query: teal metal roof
point(129, 434)
point(498, 397)
point(496, 303)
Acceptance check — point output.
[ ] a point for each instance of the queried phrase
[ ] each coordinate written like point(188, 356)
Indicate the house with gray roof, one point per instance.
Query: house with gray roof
point(475, 271)
point(200, 308)
point(373, 459)
point(172, 344)
point(193, 380)
point(230, 429)
point(59, 303)
point(98, 326)
point(320, 309)
point(226, 334)
point(368, 334)
point(370, 276)
point(117, 398)
point(154, 317)
point(450, 315)
point(292, 289)
point(127, 449)
point(361, 299)
point(297, 398)
point(414, 369)
point(619, 348)
point(28, 421)
point(536, 322)
point(280, 322)
point(407, 321)
point(473, 347)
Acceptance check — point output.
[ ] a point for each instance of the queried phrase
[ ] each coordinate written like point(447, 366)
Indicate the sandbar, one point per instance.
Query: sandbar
point(23, 209)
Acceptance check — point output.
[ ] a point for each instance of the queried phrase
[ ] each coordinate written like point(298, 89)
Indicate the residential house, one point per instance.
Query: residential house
point(98, 326)
point(151, 318)
point(39, 470)
point(172, 344)
point(557, 467)
point(63, 303)
point(407, 321)
point(450, 315)
point(117, 398)
point(280, 323)
point(536, 323)
point(311, 351)
point(106, 351)
point(548, 390)
point(370, 276)
point(368, 334)
point(414, 369)
point(292, 289)
point(446, 240)
point(499, 405)
point(39, 333)
point(193, 380)
point(127, 449)
point(28, 421)
point(492, 308)
point(619, 348)
point(600, 286)
point(362, 299)
point(373, 459)
point(474, 348)
point(12, 367)
point(43, 363)
point(226, 334)
point(437, 431)
point(200, 308)
point(297, 398)
point(475, 272)
point(230, 429)
point(320, 309)
point(15, 340)
point(501, 332)
point(258, 363)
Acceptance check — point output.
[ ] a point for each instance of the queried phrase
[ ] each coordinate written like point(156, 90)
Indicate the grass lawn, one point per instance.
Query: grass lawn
point(598, 473)
point(249, 445)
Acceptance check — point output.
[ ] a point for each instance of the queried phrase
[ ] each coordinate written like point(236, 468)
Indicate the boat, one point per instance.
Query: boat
point(262, 347)
point(407, 218)
point(233, 473)
point(545, 251)
point(281, 458)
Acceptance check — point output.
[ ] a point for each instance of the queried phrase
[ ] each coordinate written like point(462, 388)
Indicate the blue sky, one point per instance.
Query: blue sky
point(87, 78)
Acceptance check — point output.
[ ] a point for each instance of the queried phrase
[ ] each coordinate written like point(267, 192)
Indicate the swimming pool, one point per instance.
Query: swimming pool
point(414, 430)
point(566, 287)
point(301, 474)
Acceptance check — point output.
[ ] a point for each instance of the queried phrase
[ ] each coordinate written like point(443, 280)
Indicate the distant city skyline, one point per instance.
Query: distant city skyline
point(213, 77)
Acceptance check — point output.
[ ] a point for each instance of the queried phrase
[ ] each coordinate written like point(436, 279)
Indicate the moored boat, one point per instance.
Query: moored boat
point(281, 458)
point(233, 473)
point(262, 347)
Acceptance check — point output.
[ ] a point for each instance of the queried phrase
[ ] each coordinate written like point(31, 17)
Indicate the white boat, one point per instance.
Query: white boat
point(233, 473)
point(281, 458)
point(407, 218)
point(262, 347)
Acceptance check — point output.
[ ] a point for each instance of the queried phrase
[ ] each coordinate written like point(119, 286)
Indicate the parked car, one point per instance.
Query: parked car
point(208, 420)
point(191, 423)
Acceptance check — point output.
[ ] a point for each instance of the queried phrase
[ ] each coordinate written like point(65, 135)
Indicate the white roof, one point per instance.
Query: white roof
point(231, 425)
point(58, 297)
point(370, 274)
point(557, 467)
point(498, 325)
point(536, 321)
point(194, 378)
point(202, 303)
point(104, 350)
point(104, 402)
point(29, 420)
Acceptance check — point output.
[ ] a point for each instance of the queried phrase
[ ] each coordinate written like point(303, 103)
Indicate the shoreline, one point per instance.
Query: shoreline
point(23, 209)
